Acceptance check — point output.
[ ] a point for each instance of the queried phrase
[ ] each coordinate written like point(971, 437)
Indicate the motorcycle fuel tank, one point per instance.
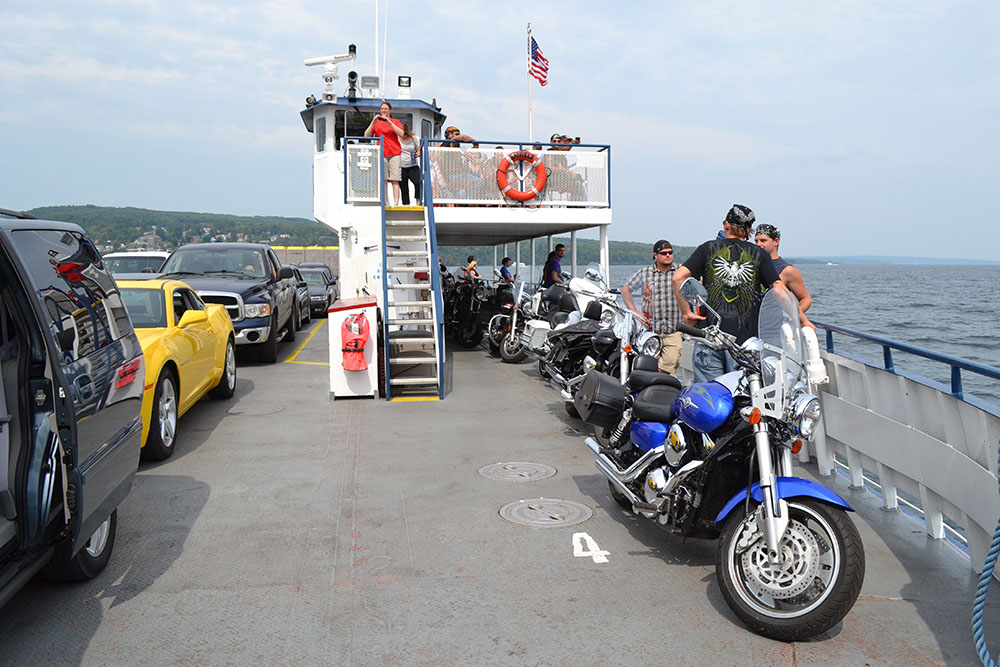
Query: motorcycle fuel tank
point(703, 406)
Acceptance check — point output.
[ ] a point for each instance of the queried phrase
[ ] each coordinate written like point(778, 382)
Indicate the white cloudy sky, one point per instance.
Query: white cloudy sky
point(858, 127)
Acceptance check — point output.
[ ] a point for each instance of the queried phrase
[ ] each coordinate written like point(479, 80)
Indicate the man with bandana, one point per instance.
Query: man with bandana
point(768, 237)
point(735, 273)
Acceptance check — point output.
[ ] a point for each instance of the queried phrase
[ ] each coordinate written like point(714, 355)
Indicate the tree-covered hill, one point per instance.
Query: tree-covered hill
point(116, 228)
point(121, 227)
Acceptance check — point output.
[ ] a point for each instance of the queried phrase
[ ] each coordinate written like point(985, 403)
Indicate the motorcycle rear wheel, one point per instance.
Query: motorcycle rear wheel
point(812, 589)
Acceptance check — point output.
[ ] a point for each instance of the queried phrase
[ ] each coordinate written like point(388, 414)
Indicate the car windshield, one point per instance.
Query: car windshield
point(238, 261)
point(315, 277)
point(134, 263)
point(145, 307)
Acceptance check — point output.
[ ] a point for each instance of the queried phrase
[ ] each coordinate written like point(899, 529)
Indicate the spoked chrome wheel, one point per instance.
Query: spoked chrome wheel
point(163, 420)
point(809, 588)
point(166, 410)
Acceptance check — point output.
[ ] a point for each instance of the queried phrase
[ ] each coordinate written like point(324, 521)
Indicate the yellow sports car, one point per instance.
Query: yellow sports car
point(190, 351)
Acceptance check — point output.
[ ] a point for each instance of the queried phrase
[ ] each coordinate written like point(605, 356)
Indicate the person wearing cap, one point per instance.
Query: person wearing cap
point(768, 237)
point(455, 136)
point(659, 303)
point(560, 177)
point(390, 130)
point(735, 273)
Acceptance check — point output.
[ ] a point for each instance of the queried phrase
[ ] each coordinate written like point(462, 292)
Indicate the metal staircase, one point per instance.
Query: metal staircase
point(413, 319)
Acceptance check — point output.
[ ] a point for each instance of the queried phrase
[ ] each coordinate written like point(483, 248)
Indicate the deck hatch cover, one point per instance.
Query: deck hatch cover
point(249, 409)
point(546, 513)
point(517, 471)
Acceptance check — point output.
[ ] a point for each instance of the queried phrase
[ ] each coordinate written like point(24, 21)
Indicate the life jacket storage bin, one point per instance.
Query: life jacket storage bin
point(354, 350)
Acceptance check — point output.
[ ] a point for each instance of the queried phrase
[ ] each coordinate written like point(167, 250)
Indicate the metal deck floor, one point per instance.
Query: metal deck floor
point(289, 529)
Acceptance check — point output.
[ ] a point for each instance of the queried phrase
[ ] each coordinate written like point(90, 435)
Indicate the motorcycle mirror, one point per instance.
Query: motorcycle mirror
point(693, 292)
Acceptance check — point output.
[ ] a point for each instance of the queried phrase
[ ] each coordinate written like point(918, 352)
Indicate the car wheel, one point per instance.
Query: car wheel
point(227, 383)
point(267, 352)
point(163, 421)
point(293, 323)
point(90, 560)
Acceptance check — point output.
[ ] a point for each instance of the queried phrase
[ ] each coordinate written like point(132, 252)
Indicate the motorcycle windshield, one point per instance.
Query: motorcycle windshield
point(778, 330)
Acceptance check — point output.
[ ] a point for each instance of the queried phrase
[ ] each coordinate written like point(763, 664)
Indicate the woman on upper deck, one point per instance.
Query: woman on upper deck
point(409, 165)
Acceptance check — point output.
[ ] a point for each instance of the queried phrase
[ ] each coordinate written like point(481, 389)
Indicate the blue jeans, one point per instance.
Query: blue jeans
point(710, 364)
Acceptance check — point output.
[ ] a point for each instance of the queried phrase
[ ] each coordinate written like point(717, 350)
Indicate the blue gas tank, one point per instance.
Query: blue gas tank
point(704, 406)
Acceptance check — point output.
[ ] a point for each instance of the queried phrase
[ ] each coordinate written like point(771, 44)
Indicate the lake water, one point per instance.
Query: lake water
point(947, 309)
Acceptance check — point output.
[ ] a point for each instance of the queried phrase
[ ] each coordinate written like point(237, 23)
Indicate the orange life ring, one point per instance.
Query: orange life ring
point(507, 162)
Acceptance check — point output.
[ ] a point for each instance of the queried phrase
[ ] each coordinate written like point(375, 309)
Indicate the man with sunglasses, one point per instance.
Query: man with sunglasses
point(454, 137)
point(768, 237)
point(659, 303)
point(735, 273)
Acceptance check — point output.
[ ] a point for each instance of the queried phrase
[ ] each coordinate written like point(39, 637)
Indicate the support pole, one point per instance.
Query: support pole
point(572, 257)
point(605, 254)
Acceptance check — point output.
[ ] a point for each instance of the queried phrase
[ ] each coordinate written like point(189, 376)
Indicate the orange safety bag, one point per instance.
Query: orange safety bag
point(354, 336)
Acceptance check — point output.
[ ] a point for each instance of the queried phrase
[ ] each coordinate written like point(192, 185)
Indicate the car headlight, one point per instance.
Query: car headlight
point(607, 316)
point(806, 415)
point(650, 343)
point(257, 309)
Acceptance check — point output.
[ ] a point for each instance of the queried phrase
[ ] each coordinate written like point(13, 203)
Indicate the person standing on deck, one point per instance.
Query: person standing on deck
point(734, 271)
point(505, 275)
point(552, 271)
point(659, 304)
point(768, 237)
point(390, 130)
point(409, 165)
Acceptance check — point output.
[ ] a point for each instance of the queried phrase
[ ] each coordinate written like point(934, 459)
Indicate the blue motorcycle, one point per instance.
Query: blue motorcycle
point(714, 460)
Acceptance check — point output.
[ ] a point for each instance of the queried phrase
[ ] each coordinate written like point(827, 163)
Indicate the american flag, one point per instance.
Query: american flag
point(539, 65)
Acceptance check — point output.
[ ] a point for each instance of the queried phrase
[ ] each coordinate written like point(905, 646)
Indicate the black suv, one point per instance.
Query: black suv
point(71, 383)
point(248, 279)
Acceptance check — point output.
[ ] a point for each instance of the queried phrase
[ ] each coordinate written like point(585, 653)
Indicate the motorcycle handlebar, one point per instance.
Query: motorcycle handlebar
point(691, 331)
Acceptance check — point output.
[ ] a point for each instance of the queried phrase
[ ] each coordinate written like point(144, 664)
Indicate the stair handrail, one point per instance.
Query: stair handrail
point(434, 270)
point(385, 274)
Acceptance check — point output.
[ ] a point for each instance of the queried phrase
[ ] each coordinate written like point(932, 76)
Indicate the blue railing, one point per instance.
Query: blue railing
point(957, 364)
point(427, 199)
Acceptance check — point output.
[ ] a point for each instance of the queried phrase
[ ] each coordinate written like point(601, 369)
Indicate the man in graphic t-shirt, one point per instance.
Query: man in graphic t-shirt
point(734, 271)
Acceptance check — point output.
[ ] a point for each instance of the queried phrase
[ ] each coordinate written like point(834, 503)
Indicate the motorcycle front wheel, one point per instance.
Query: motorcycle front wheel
point(813, 587)
point(511, 350)
point(469, 334)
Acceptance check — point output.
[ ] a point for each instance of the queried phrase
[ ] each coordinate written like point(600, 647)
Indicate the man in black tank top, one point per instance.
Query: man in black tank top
point(768, 237)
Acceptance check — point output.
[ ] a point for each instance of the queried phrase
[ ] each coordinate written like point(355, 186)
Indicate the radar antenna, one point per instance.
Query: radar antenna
point(329, 64)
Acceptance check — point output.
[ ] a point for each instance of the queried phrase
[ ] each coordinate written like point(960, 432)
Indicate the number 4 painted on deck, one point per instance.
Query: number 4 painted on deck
point(581, 540)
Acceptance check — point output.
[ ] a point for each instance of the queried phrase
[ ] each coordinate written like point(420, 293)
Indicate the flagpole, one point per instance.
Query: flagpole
point(530, 137)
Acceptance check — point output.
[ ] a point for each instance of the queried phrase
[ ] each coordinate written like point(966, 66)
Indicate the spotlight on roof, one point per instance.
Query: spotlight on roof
point(403, 83)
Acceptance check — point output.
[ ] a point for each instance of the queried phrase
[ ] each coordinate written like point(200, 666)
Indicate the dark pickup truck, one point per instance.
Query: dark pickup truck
point(247, 278)
point(71, 384)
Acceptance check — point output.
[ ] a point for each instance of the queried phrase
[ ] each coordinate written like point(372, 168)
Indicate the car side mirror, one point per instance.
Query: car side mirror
point(302, 283)
point(192, 317)
point(285, 272)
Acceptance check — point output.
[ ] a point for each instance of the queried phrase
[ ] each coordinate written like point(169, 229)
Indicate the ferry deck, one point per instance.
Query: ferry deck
point(291, 529)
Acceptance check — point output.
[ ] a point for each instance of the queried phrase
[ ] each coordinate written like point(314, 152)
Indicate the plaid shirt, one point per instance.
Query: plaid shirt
point(656, 289)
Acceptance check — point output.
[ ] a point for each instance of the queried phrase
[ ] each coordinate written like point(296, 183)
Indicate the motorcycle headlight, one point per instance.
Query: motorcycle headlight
point(257, 309)
point(650, 343)
point(806, 415)
point(607, 316)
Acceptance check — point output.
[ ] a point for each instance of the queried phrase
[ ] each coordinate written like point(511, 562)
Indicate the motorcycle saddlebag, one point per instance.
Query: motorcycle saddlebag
point(600, 399)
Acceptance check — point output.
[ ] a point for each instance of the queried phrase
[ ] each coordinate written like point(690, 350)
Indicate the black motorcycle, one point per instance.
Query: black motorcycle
point(462, 305)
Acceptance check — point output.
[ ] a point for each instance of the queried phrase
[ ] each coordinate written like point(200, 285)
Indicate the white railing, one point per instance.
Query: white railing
point(468, 175)
point(363, 171)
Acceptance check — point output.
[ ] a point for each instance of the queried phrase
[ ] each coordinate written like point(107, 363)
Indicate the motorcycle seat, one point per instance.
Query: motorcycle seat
point(553, 293)
point(639, 380)
point(556, 318)
point(654, 403)
point(645, 362)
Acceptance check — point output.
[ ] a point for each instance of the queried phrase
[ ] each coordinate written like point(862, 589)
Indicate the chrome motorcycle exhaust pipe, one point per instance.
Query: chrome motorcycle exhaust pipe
point(637, 503)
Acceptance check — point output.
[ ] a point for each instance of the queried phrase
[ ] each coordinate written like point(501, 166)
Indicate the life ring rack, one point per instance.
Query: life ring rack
point(521, 156)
